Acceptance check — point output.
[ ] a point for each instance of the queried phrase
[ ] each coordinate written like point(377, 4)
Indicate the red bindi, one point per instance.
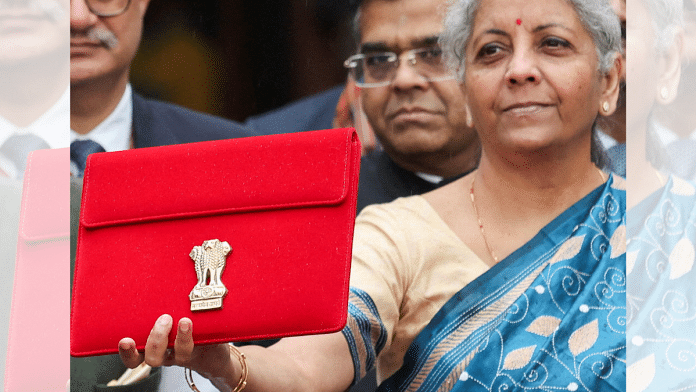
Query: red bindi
point(519, 22)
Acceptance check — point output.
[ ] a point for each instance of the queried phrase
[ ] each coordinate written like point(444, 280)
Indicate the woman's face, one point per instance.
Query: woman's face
point(642, 69)
point(532, 79)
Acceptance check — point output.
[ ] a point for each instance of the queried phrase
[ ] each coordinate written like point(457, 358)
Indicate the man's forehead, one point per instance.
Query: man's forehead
point(418, 42)
point(401, 24)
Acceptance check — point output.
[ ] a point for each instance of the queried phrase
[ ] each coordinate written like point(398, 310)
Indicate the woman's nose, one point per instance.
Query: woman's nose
point(522, 68)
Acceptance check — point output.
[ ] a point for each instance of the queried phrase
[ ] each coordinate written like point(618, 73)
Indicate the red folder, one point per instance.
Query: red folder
point(284, 204)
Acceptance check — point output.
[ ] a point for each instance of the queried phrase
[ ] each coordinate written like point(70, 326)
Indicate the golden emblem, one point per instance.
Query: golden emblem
point(210, 260)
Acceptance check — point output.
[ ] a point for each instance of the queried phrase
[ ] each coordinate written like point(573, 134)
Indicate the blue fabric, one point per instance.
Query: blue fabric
point(79, 151)
point(551, 316)
point(382, 180)
point(661, 275)
point(617, 159)
point(309, 114)
point(158, 123)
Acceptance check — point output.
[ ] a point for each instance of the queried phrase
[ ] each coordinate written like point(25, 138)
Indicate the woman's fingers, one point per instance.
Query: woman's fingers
point(156, 351)
point(156, 346)
point(129, 354)
point(183, 344)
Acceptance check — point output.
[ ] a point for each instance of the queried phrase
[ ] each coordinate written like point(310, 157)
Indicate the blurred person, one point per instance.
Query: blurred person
point(105, 113)
point(656, 75)
point(34, 114)
point(33, 80)
point(527, 251)
point(675, 123)
point(661, 233)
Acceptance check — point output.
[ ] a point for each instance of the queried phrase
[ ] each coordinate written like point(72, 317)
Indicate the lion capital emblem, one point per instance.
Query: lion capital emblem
point(209, 259)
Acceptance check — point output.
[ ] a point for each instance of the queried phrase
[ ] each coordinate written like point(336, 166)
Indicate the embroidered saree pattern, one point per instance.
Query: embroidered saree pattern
point(549, 317)
point(661, 296)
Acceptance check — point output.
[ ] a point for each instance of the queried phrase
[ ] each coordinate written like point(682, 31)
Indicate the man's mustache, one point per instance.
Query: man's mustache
point(52, 9)
point(98, 34)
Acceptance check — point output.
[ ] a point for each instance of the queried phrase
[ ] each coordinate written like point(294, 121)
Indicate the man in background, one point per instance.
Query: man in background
point(417, 116)
point(105, 113)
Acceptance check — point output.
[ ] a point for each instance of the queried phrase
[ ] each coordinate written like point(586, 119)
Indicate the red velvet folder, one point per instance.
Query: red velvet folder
point(284, 204)
point(38, 334)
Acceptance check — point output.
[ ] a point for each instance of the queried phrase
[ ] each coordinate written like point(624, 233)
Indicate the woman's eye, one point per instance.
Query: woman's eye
point(554, 42)
point(489, 50)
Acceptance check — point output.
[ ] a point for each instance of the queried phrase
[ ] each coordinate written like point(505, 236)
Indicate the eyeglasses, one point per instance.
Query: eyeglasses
point(379, 69)
point(108, 8)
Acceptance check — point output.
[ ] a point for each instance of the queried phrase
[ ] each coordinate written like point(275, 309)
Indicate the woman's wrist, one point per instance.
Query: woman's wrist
point(233, 376)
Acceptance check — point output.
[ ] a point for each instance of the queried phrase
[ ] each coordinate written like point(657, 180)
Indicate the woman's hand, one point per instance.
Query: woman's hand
point(210, 361)
point(304, 363)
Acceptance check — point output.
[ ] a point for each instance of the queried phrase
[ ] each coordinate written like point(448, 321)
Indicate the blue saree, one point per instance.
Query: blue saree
point(549, 317)
point(661, 298)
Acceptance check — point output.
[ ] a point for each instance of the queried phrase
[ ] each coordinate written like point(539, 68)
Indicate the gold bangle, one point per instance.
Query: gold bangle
point(189, 380)
point(242, 379)
point(245, 370)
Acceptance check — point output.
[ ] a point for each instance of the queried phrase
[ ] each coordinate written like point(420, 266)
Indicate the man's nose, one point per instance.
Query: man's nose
point(407, 75)
point(81, 17)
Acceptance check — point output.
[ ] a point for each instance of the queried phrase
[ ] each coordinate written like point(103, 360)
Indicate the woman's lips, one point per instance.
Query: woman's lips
point(525, 108)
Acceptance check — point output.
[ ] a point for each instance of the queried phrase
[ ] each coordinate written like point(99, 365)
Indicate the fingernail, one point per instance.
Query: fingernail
point(185, 326)
point(164, 320)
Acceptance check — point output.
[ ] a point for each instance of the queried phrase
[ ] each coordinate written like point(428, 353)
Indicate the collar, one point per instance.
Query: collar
point(431, 178)
point(49, 126)
point(114, 133)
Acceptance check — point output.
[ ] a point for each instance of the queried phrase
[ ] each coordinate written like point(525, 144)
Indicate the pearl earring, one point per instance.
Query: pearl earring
point(605, 106)
point(664, 93)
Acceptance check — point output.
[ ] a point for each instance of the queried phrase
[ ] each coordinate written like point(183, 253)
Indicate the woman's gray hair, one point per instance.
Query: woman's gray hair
point(597, 16)
point(667, 18)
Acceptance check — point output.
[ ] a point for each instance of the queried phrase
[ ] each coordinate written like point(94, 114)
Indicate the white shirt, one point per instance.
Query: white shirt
point(114, 133)
point(431, 178)
point(50, 126)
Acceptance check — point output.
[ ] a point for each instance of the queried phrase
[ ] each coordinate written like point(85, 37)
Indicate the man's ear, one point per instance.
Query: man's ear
point(611, 86)
point(142, 5)
point(669, 69)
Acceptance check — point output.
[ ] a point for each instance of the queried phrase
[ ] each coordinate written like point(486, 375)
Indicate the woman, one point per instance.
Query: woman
point(527, 250)
point(661, 315)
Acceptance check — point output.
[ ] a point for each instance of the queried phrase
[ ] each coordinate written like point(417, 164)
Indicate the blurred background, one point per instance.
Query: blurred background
point(242, 57)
